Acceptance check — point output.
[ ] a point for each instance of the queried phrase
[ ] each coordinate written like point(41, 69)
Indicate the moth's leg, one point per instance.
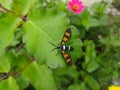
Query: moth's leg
point(57, 52)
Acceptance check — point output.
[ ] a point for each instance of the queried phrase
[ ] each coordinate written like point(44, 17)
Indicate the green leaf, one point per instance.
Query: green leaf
point(40, 76)
point(83, 86)
point(85, 19)
point(60, 5)
point(74, 87)
point(4, 64)
point(99, 8)
point(104, 19)
point(91, 82)
point(9, 22)
point(90, 63)
point(39, 46)
point(9, 84)
point(8, 25)
point(22, 83)
point(60, 71)
point(39, 32)
point(18, 60)
point(82, 19)
point(22, 7)
point(71, 71)
point(90, 53)
point(94, 22)
point(112, 39)
point(41, 1)
point(92, 66)
point(6, 3)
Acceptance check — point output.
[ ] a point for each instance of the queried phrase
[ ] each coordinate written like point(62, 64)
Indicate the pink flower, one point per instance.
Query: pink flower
point(76, 6)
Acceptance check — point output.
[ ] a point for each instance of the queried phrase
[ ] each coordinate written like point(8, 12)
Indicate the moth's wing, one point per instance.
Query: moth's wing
point(66, 57)
point(66, 36)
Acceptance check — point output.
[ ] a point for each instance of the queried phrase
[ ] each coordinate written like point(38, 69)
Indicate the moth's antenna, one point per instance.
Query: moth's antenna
point(53, 49)
point(57, 52)
point(52, 44)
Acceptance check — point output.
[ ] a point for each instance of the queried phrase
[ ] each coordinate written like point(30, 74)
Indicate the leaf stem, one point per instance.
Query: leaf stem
point(23, 17)
point(20, 46)
point(18, 73)
point(4, 8)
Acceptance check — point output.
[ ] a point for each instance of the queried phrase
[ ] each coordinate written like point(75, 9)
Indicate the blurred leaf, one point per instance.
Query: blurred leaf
point(60, 71)
point(90, 53)
point(7, 32)
point(85, 19)
point(22, 7)
point(91, 82)
point(40, 76)
point(22, 83)
point(94, 22)
point(74, 87)
point(90, 63)
point(60, 5)
point(76, 20)
point(41, 1)
point(4, 64)
point(6, 3)
point(99, 8)
point(112, 39)
point(77, 52)
point(74, 73)
point(83, 86)
point(12, 22)
point(104, 19)
point(9, 84)
point(18, 60)
point(92, 66)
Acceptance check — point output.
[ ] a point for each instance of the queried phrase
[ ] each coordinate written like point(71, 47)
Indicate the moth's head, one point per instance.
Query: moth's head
point(59, 47)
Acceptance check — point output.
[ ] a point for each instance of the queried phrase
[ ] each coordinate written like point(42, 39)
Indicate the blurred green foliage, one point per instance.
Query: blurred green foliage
point(27, 27)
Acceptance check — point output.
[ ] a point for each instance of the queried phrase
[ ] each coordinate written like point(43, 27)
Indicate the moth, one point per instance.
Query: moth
point(64, 48)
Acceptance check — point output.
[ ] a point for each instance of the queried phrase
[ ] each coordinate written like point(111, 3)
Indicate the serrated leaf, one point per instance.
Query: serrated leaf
point(38, 45)
point(40, 76)
point(9, 84)
point(39, 32)
point(4, 64)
